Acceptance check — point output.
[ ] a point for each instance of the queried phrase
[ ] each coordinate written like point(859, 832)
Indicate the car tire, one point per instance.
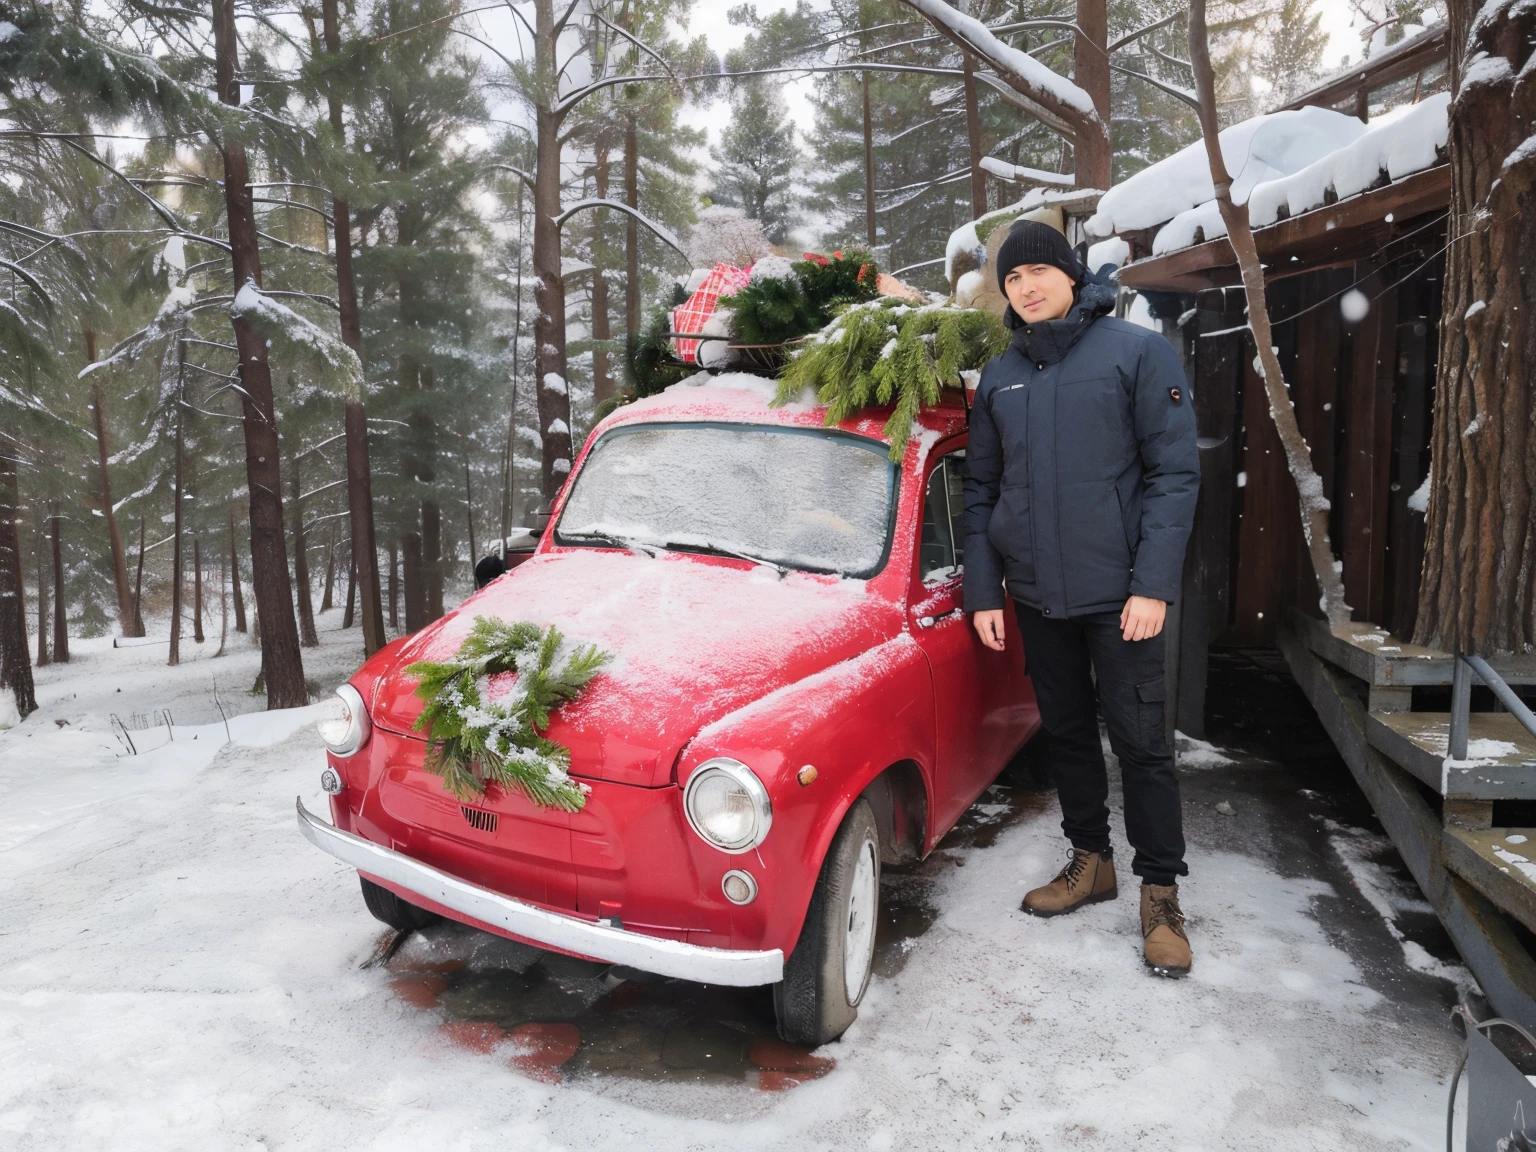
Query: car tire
point(827, 973)
point(397, 913)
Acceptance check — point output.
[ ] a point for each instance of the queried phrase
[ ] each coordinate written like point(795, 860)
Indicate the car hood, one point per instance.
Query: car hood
point(691, 639)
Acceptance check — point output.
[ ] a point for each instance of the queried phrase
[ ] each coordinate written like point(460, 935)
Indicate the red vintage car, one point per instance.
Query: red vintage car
point(796, 697)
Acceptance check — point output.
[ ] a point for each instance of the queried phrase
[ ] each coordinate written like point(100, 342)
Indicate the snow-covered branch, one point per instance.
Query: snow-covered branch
point(1006, 171)
point(1019, 70)
point(1174, 90)
point(661, 230)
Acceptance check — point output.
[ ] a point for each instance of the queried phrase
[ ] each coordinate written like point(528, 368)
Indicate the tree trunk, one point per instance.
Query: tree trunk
point(509, 450)
point(359, 470)
point(554, 402)
point(394, 586)
point(1309, 486)
point(282, 663)
point(235, 590)
point(469, 518)
point(127, 619)
point(43, 658)
point(138, 582)
point(301, 584)
point(326, 603)
point(602, 330)
point(223, 604)
point(631, 231)
point(973, 131)
point(1478, 592)
point(1093, 157)
point(60, 608)
point(869, 164)
point(416, 616)
point(431, 560)
point(15, 661)
point(347, 617)
point(197, 591)
point(177, 574)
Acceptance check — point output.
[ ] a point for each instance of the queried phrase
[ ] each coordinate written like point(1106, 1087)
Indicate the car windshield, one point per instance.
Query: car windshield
point(801, 498)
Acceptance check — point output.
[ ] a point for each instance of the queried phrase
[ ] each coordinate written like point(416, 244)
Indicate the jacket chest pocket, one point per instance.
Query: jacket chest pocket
point(1010, 413)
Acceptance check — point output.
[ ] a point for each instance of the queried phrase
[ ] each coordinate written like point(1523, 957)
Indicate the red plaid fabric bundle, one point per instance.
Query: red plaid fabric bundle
point(694, 313)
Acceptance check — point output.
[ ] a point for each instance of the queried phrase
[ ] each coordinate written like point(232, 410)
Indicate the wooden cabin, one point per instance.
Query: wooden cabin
point(1353, 271)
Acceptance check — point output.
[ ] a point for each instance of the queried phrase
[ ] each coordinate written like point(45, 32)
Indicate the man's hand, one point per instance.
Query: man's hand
point(1140, 619)
point(989, 626)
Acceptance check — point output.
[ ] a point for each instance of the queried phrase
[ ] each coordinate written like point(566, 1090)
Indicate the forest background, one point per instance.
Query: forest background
point(305, 304)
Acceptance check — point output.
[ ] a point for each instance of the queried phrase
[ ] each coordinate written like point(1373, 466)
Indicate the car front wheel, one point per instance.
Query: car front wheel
point(392, 910)
point(828, 971)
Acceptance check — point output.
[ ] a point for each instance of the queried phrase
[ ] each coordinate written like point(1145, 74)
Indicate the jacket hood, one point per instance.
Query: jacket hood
point(692, 639)
point(1050, 340)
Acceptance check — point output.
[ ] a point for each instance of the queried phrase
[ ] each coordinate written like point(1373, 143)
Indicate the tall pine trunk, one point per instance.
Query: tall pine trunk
point(177, 575)
point(60, 608)
point(330, 573)
point(631, 233)
point(869, 164)
point(973, 130)
point(282, 665)
point(554, 402)
point(40, 555)
point(127, 618)
point(1479, 585)
point(15, 661)
point(346, 616)
point(301, 586)
point(394, 586)
point(1094, 157)
point(469, 517)
point(415, 594)
point(359, 471)
point(138, 582)
point(197, 591)
point(223, 603)
point(602, 328)
point(234, 576)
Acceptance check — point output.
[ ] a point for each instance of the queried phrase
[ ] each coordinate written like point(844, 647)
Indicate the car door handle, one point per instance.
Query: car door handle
point(930, 621)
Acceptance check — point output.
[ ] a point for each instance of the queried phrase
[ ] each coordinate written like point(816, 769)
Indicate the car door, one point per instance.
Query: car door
point(984, 707)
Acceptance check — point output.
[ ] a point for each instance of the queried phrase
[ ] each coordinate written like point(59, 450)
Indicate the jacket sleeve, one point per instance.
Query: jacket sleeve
point(1165, 434)
point(983, 473)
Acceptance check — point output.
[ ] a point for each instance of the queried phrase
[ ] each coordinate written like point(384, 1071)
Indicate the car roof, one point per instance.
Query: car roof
point(742, 398)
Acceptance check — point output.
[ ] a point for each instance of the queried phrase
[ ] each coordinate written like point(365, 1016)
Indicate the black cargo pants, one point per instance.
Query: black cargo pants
point(1063, 659)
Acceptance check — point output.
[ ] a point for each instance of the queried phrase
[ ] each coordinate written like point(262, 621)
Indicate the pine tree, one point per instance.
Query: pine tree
point(758, 159)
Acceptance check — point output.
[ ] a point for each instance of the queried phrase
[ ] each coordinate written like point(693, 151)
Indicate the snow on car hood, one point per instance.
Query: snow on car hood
point(692, 640)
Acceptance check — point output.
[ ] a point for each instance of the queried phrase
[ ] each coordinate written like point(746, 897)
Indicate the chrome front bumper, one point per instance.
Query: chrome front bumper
point(600, 941)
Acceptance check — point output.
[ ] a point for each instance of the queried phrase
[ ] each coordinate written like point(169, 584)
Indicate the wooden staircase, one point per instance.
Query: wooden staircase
point(1481, 879)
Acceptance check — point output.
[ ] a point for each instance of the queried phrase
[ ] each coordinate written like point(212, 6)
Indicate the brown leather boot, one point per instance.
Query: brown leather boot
point(1164, 946)
point(1088, 878)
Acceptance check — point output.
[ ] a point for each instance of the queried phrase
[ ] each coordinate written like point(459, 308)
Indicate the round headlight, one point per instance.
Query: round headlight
point(345, 726)
point(727, 805)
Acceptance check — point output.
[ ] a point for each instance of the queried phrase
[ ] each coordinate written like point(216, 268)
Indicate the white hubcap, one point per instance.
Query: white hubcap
point(859, 940)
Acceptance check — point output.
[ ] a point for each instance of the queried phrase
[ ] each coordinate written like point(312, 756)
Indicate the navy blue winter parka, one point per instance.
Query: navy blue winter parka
point(1082, 471)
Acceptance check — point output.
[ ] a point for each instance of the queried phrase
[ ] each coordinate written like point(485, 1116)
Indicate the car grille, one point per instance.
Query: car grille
point(475, 818)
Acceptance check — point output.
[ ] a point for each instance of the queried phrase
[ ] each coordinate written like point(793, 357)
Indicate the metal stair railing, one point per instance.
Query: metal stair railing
point(1461, 700)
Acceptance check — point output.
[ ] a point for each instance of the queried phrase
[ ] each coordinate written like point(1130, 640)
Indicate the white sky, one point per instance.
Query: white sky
point(708, 19)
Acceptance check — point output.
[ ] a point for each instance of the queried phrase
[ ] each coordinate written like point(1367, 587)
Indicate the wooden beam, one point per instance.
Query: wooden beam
point(1322, 237)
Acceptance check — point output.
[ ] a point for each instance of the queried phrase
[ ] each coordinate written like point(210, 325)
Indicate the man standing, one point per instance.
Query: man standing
point(1081, 480)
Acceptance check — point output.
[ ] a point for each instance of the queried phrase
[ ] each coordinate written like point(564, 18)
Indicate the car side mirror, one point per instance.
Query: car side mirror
point(487, 570)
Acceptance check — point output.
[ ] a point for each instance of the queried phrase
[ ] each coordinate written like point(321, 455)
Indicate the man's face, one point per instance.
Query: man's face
point(1038, 292)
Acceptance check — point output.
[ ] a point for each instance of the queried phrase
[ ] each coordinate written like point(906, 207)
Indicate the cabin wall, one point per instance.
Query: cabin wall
point(1363, 393)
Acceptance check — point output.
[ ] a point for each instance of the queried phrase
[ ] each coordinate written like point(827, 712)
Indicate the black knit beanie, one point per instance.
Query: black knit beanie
point(1031, 242)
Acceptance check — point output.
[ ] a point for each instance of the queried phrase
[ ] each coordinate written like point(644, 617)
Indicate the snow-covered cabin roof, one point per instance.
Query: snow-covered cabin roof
point(1283, 164)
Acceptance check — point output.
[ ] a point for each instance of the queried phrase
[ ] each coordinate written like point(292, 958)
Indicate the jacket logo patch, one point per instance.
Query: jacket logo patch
point(1010, 387)
point(1175, 395)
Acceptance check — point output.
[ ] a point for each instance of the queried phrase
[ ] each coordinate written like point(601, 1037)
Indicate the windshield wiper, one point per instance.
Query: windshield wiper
point(633, 547)
point(719, 551)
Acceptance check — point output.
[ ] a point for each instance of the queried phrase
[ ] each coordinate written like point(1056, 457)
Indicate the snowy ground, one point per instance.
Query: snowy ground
point(178, 969)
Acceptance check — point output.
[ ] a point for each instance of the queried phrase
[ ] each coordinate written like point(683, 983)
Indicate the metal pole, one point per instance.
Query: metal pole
point(1461, 707)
